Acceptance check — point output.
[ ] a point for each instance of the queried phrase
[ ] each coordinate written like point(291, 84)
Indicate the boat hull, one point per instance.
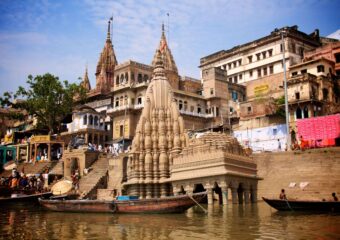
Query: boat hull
point(94, 206)
point(25, 198)
point(303, 205)
point(175, 204)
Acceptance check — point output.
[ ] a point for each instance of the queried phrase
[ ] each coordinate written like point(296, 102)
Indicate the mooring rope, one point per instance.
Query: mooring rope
point(205, 211)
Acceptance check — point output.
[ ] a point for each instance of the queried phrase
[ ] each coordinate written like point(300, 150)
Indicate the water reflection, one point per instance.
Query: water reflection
point(252, 221)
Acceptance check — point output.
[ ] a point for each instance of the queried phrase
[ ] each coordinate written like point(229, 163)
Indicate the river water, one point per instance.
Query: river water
point(253, 221)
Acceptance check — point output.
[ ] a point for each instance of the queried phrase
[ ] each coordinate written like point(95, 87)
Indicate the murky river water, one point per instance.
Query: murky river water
point(256, 221)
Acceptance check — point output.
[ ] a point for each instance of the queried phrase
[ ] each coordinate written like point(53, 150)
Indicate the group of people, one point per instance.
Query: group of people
point(284, 197)
point(19, 180)
point(115, 151)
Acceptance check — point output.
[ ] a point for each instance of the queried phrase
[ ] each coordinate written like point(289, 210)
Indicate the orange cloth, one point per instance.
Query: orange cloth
point(14, 182)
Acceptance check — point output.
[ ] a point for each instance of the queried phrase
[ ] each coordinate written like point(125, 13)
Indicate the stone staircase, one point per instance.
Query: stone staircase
point(58, 168)
point(96, 178)
point(29, 168)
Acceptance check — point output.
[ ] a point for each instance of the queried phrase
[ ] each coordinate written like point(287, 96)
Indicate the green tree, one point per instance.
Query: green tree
point(49, 100)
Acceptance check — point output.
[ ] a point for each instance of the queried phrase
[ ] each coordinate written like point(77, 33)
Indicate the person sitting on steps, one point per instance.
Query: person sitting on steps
point(335, 198)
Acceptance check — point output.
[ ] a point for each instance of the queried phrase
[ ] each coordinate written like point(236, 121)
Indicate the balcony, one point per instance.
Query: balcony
point(127, 107)
point(194, 114)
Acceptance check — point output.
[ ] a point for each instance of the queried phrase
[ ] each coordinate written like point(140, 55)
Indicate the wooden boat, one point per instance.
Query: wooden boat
point(303, 205)
point(175, 204)
point(14, 198)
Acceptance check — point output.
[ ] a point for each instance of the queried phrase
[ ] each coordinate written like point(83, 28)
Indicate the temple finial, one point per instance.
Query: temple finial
point(163, 27)
point(159, 65)
point(108, 31)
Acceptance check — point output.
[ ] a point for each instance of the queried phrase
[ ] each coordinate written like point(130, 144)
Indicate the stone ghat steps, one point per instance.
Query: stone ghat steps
point(29, 168)
point(58, 168)
point(89, 183)
point(319, 167)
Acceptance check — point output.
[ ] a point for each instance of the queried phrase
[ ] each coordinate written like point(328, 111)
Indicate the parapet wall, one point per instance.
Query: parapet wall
point(320, 168)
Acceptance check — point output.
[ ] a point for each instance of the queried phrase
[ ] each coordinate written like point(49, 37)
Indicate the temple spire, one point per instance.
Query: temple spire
point(158, 70)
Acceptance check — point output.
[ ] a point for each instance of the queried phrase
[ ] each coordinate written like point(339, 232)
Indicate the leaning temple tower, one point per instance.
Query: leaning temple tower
point(159, 137)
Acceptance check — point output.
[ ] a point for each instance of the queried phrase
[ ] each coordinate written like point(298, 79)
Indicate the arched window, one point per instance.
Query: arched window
point(121, 78)
point(117, 80)
point(126, 77)
point(198, 108)
point(185, 105)
point(140, 78)
point(180, 105)
point(305, 112)
point(146, 78)
point(90, 120)
point(125, 100)
point(121, 101)
point(85, 120)
point(117, 102)
point(96, 121)
point(298, 113)
point(139, 100)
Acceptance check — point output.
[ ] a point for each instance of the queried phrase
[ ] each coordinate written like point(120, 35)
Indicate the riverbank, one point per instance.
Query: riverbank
point(311, 174)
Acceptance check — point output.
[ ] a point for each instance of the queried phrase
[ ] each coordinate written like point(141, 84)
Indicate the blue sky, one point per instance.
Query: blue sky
point(61, 37)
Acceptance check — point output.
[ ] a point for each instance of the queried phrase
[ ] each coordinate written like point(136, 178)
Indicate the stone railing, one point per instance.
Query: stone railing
point(202, 115)
point(130, 106)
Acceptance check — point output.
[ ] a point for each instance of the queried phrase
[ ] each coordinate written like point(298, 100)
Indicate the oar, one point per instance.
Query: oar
point(205, 211)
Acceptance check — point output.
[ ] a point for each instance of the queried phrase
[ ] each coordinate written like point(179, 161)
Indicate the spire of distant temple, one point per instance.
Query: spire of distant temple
point(169, 63)
point(106, 64)
point(86, 81)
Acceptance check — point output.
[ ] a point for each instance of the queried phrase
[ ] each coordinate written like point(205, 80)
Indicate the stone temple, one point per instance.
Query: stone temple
point(164, 161)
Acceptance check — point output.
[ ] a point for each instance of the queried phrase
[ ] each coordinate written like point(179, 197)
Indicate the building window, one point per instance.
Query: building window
point(240, 62)
point(211, 91)
point(229, 66)
point(90, 120)
point(325, 94)
point(240, 76)
point(126, 77)
point(249, 109)
point(217, 111)
point(121, 130)
point(281, 47)
point(301, 51)
point(85, 120)
point(303, 71)
point(117, 102)
point(117, 80)
point(337, 57)
point(293, 48)
point(185, 105)
point(270, 52)
point(250, 73)
point(294, 74)
point(265, 71)
point(258, 56)
point(271, 69)
point(250, 59)
point(180, 106)
point(259, 72)
point(234, 96)
point(96, 121)
point(139, 100)
point(121, 78)
point(140, 78)
point(234, 64)
point(264, 55)
point(305, 112)
point(274, 131)
point(235, 79)
point(231, 110)
point(198, 108)
point(321, 68)
point(230, 79)
point(297, 95)
point(298, 113)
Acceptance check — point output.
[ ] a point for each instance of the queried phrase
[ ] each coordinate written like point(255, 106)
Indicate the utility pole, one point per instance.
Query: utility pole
point(285, 90)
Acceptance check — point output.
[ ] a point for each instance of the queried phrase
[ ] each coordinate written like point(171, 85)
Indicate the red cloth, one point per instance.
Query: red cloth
point(320, 128)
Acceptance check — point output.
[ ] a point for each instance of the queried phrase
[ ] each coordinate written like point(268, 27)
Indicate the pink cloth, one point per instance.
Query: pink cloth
point(319, 128)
